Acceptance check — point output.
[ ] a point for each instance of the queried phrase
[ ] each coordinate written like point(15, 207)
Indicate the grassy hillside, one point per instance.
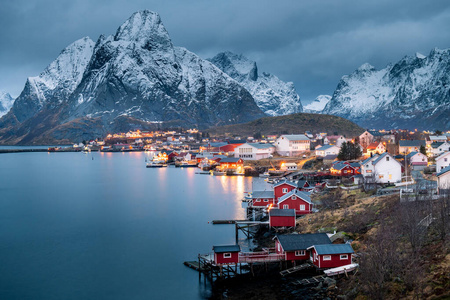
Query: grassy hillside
point(295, 123)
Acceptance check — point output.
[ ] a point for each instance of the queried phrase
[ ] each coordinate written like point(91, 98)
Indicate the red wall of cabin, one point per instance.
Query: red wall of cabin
point(220, 260)
point(333, 263)
point(279, 221)
point(290, 255)
point(278, 190)
point(262, 203)
point(295, 204)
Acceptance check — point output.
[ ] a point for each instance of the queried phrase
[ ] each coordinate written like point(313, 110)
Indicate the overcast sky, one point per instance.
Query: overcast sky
point(312, 43)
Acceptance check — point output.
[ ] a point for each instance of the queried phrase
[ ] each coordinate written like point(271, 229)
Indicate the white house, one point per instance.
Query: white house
point(438, 148)
point(442, 161)
point(292, 144)
point(288, 167)
point(443, 181)
point(327, 150)
point(438, 138)
point(407, 146)
point(376, 147)
point(254, 151)
point(365, 139)
point(417, 160)
point(382, 168)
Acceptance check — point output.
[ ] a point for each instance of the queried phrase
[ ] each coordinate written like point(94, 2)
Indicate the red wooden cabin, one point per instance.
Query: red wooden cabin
point(263, 198)
point(294, 246)
point(331, 256)
point(231, 163)
point(300, 201)
point(303, 185)
point(282, 217)
point(225, 255)
point(342, 169)
point(282, 188)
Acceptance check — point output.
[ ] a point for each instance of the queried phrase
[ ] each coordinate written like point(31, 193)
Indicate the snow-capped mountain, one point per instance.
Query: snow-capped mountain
point(413, 93)
point(6, 102)
point(272, 95)
point(134, 76)
point(317, 106)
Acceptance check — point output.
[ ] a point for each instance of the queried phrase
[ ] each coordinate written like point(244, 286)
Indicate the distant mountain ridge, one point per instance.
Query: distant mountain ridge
point(6, 102)
point(272, 95)
point(317, 106)
point(135, 76)
point(412, 93)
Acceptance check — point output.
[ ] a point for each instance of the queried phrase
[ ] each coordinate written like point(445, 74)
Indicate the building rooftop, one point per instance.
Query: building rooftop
point(275, 212)
point(226, 248)
point(333, 249)
point(293, 242)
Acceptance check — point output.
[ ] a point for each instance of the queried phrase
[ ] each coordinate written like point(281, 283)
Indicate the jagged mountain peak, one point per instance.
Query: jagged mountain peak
point(317, 105)
point(366, 67)
point(6, 102)
point(272, 95)
point(236, 66)
point(411, 93)
point(144, 27)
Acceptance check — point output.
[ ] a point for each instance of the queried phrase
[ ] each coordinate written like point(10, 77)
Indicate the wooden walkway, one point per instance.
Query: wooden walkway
point(194, 265)
point(311, 280)
point(295, 269)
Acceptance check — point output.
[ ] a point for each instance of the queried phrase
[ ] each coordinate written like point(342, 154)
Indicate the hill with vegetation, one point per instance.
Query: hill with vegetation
point(290, 124)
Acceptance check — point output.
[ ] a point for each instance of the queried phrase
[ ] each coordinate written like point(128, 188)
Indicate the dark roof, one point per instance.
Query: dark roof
point(443, 171)
point(226, 248)
point(293, 242)
point(230, 160)
point(412, 143)
point(275, 212)
point(355, 164)
point(435, 145)
point(263, 194)
point(236, 142)
point(340, 166)
point(333, 249)
point(375, 133)
point(302, 183)
point(286, 182)
point(302, 195)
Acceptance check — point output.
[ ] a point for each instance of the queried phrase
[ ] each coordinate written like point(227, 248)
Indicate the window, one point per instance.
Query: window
point(381, 176)
point(302, 207)
point(227, 255)
point(294, 197)
point(390, 176)
point(387, 158)
point(284, 190)
point(285, 206)
point(258, 200)
point(344, 256)
point(266, 200)
point(279, 247)
point(300, 253)
point(327, 257)
point(368, 171)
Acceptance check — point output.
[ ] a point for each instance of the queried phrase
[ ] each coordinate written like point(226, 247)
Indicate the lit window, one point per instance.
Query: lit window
point(327, 257)
point(227, 255)
point(300, 253)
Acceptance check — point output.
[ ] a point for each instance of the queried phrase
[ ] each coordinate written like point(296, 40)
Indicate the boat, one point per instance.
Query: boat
point(153, 164)
point(186, 164)
point(264, 175)
point(219, 173)
point(341, 270)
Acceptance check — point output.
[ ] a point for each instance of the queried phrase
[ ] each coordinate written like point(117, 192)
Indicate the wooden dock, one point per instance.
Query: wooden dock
point(193, 265)
point(219, 222)
point(311, 280)
point(295, 269)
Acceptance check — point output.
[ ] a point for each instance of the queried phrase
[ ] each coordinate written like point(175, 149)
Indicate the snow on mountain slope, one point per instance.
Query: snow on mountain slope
point(317, 106)
point(6, 102)
point(413, 93)
point(135, 75)
point(272, 95)
point(57, 81)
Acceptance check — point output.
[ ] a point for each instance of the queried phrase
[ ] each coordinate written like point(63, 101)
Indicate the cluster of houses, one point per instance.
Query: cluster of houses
point(316, 248)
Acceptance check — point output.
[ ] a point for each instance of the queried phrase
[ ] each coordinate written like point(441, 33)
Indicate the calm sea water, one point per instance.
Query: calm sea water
point(102, 226)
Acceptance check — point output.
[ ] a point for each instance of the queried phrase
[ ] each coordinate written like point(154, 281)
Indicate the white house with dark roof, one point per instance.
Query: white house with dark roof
point(254, 151)
point(442, 161)
point(383, 168)
point(437, 148)
point(443, 181)
point(407, 146)
point(292, 144)
point(327, 150)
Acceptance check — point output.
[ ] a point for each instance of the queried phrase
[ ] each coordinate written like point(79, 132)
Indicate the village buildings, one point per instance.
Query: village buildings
point(292, 144)
point(254, 151)
point(381, 169)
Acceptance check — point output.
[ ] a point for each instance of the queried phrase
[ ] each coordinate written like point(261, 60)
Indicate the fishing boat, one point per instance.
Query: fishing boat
point(264, 175)
point(153, 164)
point(219, 173)
point(186, 164)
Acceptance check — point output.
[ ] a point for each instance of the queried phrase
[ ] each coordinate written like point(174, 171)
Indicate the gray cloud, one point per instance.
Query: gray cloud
point(312, 43)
